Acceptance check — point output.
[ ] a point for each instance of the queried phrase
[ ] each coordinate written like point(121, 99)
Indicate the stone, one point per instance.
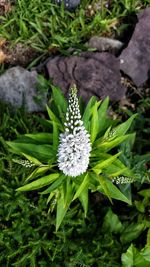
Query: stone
point(69, 4)
point(135, 59)
point(104, 44)
point(18, 88)
point(94, 73)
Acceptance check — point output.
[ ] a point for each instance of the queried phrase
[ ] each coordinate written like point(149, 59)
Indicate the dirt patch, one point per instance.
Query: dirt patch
point(5, 7)
point(18, 55)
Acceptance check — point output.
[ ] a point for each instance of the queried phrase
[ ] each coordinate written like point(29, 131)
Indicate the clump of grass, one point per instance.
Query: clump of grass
point(43, 25)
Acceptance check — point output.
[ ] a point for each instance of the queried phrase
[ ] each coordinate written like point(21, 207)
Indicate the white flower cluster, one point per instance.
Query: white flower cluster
point(122, 180)
point(25, 163)
point(74, 148)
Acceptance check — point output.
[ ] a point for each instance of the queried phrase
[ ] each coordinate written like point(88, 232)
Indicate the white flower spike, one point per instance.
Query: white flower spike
point(74, 147)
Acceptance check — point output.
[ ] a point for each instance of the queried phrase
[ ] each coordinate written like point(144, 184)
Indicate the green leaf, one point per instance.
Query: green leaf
point(35, 139)
point(46, 180)
point(144, 157)
point(82, 186)
point(146, 253)
point(110, 171)
point(114, 192)
point(55, 185)
point(121, 129)
point(41, 138)
point(63, 202)
point(131, 232)
point(59, 99)
point(88, 112)
point(68, 192)
point(134, 258)
point(140, 206)
point(145, 193)
point(112, 223)
point(55, 136)
point(148, 239)
point(102, 115)
point(32, 159)
point(104, 163)
point(107, 145)
point(84, 199)
point(128, 257)
point(104, 187)
point(60, 213)
point(94, 123)
point(37, 172)
point(53, 118)
point(51, 196)
point(41, 152)
point(126, 190)
point(114, 169)
point(119, 165)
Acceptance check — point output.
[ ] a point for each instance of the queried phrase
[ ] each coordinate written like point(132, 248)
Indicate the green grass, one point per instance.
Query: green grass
point(43, 25)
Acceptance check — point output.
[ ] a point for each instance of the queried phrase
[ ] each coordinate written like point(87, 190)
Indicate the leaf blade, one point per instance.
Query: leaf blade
point(114, 192)
point(104, 163)
point(82, 186)
point(41, 152)
point(94, 123)
point(41, 182)
point(59, 99)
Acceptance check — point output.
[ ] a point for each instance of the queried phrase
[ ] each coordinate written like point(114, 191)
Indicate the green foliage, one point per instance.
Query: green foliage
point(129, 231)
point(138, 163)
point(136, 258)
point(28, 236)
point(43, 25)
point(41, 151)
point(112, 223)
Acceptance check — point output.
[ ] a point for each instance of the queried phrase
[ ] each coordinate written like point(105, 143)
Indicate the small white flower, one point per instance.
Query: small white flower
point(122, 180)
point(74, 147)
point(25, 163)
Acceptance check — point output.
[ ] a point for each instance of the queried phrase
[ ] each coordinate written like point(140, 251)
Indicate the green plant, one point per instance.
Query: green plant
point(140, 256)
point(42, 153)
point(28, 237)
point(137, 255)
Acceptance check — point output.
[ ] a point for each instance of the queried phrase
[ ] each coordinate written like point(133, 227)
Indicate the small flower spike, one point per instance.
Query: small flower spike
point(74, 147)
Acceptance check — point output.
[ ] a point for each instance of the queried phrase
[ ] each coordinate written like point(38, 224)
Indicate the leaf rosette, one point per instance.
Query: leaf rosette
point(80, 153)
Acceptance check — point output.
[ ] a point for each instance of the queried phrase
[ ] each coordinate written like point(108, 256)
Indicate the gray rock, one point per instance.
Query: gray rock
point(104, 44)
point(93, 73)
point(135, 59)
point(69, 4)
point(18, 87)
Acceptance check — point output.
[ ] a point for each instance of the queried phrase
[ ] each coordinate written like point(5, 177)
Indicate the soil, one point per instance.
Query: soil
point(20, 54)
